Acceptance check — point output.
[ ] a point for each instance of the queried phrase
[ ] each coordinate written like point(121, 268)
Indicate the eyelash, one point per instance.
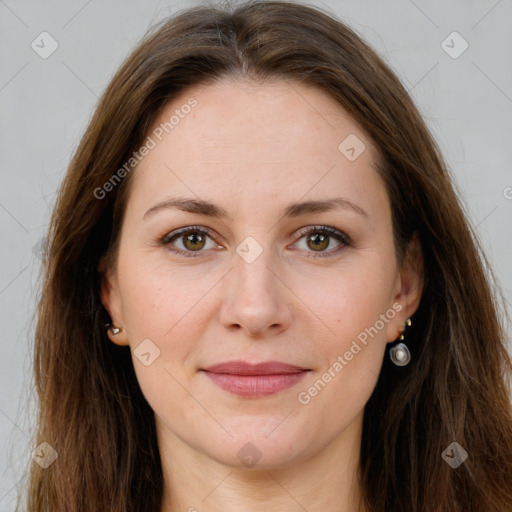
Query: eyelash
point(325, 230)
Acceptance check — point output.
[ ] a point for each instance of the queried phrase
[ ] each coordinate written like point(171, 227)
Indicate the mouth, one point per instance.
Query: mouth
point(255, 380)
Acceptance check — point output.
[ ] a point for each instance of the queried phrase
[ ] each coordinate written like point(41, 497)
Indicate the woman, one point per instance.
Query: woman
point(261, 289)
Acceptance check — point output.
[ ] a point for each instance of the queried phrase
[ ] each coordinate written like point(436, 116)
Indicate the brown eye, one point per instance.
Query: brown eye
point(188, 241)
point(317, 242)
point(193, 241)
point(318, 239)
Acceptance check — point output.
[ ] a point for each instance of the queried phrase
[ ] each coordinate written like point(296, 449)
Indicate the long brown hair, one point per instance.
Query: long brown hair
point(91, 408)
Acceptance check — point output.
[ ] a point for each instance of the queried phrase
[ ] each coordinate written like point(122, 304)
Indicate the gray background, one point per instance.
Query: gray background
point(46, 104)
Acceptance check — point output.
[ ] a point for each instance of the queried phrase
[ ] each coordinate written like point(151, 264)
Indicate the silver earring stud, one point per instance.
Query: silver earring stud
point(113, 330)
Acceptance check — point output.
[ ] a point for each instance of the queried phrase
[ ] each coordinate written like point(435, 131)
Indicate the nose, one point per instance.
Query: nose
point(256, 297)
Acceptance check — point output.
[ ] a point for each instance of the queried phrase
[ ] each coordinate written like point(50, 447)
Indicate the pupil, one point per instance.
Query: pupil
point(193, 239)
point(317, 237)
point(318, 240)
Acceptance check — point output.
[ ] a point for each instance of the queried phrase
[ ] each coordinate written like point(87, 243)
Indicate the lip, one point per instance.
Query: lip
point(255, 380)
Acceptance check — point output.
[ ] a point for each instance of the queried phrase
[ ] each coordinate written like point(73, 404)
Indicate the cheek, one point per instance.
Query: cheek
point(158, 298)
point(352, 358)
point(356, 307)
point(164, 306)
point(171, 307)
point(350, 299)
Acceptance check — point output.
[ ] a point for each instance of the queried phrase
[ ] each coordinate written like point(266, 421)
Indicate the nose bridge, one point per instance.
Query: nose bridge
point(254, 297)
point(252, 264)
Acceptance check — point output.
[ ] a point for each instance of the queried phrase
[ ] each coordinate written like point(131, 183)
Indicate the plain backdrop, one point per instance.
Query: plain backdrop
point(46, 103)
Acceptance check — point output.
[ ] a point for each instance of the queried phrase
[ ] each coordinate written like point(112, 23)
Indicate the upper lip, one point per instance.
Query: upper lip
point(245, 368)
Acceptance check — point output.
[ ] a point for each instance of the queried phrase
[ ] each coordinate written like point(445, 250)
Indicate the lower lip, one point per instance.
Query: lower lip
point(255, 385)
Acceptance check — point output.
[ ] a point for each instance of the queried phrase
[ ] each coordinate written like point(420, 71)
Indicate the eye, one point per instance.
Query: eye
point(318, 238)
point(192, 239)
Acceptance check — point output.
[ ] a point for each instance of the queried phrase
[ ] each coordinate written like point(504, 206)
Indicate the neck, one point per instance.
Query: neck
point(193, 482)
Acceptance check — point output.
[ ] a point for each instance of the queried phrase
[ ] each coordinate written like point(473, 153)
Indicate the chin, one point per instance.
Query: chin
point(257, 446)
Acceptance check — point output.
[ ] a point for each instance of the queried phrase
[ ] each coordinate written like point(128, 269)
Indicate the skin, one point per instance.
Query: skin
point(253, 149)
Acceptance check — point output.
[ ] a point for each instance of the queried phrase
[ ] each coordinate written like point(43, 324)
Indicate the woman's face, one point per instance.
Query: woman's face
point(259, 170)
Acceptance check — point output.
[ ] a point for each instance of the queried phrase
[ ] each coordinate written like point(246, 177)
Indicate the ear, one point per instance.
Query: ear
point(408, 288)
point(111, 300)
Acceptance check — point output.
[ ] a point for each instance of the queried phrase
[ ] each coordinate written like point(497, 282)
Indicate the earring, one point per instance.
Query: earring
point(113, 330)
point(400, 354)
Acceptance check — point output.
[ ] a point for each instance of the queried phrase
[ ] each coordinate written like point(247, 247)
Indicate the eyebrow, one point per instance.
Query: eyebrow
point(293, 210)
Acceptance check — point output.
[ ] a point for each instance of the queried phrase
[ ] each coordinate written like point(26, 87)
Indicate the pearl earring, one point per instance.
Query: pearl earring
point(400, 354)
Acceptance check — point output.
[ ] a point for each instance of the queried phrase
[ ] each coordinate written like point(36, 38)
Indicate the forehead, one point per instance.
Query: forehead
point(259, 141)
